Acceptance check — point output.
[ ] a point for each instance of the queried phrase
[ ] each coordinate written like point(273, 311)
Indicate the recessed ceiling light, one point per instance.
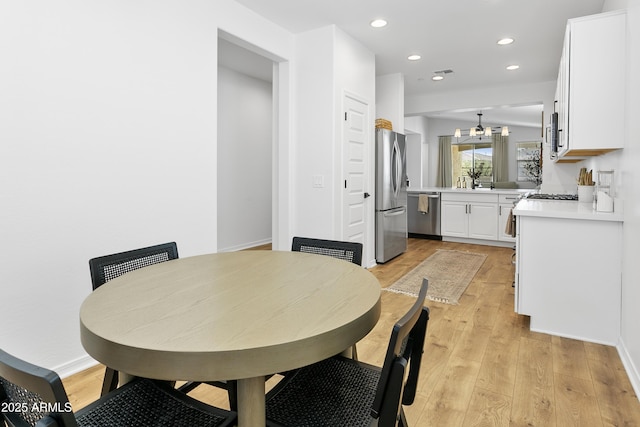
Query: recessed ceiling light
point(414, 57)
point(512, 67)
point(440, 74)
point(505, 41)
point(378, 23)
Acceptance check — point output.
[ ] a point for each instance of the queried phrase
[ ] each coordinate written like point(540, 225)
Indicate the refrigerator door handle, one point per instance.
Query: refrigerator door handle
point(400, 168)
point(394, 172)
point(395, 213)
point(396, 165)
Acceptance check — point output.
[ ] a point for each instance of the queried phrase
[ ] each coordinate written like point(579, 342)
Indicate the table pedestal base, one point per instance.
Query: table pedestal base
point(251, 404)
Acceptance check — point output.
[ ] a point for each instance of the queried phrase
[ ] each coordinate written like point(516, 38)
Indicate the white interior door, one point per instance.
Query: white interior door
point(356, 170)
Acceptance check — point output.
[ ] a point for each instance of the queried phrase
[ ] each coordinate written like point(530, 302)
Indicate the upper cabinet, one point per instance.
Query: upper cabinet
point(591, 87)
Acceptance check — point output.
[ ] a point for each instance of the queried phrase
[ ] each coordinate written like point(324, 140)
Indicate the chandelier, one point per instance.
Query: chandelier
point(480, 131)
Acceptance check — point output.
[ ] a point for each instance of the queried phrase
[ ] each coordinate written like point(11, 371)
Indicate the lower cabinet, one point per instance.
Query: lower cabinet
point(506, 204)
point(454, 219)
point(503, 218)
point(473, 216)
point(482, 221)
point(568, 277)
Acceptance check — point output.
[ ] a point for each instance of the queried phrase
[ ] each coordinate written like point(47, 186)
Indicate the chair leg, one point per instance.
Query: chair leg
point(232, 390)
point(402, 419)
point(354, 352)
point(230, 385)
point(188, 386)
point(110, 382)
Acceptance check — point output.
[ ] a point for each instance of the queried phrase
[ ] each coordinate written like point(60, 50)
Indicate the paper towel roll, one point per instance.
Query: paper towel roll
point(604, 202)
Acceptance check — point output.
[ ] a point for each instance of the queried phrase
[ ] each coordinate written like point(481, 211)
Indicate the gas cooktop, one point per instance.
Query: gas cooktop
point(553, 196)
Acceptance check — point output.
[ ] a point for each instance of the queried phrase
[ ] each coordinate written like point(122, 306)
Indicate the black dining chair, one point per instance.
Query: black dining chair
point(340, 391)
point(34, 396)
point(109, 267)
point(347, 251)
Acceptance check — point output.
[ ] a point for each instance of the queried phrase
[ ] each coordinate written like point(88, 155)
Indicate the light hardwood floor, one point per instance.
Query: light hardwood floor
point(481, 366)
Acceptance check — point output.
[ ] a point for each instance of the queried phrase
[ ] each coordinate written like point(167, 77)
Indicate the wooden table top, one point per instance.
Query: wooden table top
point(229, 315)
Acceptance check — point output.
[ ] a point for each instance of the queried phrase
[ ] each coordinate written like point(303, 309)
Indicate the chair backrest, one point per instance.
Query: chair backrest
point(109, 267)
point(348, 251)
point(31, 394)
point(405, 349)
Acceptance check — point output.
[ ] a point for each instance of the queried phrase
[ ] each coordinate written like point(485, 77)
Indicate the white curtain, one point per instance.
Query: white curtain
point(500, 158)
point(443, 179)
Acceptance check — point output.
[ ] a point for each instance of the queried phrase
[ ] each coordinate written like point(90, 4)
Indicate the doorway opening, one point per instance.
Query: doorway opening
point(245, 161)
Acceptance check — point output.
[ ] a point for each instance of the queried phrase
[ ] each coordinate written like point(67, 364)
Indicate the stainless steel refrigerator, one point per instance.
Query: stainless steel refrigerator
point(391, 195)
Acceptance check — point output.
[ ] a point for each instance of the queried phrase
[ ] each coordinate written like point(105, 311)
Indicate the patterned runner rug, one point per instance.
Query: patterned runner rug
point(449, 274)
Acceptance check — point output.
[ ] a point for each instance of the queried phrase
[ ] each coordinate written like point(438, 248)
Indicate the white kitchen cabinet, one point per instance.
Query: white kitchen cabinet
point(568, 271)
point(503, 219)
point(454, 219)
point(590, 94)
point(504, 209)
point(469, 215)
point(561, 105)
point(482, 221)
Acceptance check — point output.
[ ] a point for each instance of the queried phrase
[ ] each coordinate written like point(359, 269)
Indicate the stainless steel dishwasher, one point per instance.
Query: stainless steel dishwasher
point(420, 223)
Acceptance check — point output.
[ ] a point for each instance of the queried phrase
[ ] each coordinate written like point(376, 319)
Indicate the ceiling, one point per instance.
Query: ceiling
point(459, 35)
point(237, 58)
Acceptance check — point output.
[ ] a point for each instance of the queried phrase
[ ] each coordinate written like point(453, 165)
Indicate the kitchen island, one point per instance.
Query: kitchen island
point(568, 271)
point(480, 190)
point(475, 216)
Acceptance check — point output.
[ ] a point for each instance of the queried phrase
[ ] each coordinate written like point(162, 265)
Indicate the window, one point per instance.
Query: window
point(529, 159)
point(468, 158)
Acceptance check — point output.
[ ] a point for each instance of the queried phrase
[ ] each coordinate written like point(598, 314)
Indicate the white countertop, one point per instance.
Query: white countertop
point(483, 190)
point(564, 209)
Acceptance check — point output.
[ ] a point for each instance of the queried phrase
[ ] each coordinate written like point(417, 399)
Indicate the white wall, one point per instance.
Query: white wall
point(355, 69)
point(244, 160)
point(329, 63)
point(535, 93)
point(390, 100)
point(315, 133)
point(108, 142)
point(414, 155)
point(244, 27)
point(416, 124)
point(627, 182)
point(438, 127)
point(557, 178)
point(418, 151)
point(626, 163)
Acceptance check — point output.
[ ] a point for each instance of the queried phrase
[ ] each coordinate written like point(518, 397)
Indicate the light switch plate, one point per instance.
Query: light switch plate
point(318, 181)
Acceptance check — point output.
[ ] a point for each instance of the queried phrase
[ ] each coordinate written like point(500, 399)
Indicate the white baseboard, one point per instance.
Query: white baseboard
point(75, 366)
point(534, 327)
point(632, 370)
point(245, 246)
point(498, 243)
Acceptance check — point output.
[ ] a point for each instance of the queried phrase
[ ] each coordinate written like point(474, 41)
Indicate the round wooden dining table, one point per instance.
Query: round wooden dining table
point(230, 316)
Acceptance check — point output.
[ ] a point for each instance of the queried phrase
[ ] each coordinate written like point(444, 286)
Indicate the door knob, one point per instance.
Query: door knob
point(366, 195)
